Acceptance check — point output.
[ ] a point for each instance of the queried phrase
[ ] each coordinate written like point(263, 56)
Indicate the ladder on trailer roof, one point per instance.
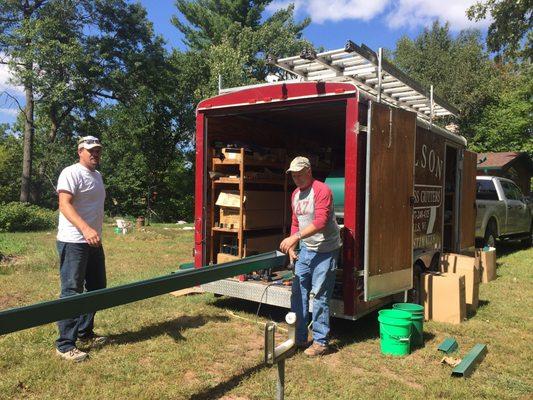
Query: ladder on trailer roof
point(371, 73)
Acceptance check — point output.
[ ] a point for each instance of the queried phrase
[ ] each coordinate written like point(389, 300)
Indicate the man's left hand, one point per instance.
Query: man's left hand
point(288, 243)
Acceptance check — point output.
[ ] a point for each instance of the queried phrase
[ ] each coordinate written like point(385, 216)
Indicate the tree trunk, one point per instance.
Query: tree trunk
point(25, 189)
point(28, 145)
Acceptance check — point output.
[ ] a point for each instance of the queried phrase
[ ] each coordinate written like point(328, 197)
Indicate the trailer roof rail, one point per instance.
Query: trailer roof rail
point(371, 73)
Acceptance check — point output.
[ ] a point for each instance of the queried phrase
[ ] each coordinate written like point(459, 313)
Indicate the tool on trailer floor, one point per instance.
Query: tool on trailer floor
point(277, 354)
point(17, 319)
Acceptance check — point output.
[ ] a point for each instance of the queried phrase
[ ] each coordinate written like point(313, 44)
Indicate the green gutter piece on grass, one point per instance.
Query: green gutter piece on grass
point(449, 345)
point(467, 366)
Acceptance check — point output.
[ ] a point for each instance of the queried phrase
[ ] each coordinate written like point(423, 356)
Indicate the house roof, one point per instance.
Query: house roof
point(500, 160)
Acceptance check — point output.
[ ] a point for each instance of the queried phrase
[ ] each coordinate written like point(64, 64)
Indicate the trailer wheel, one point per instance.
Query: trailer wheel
point(415, 294)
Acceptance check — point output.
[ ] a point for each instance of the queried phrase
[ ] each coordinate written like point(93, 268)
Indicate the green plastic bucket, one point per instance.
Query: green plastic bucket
point(417, 319)
point(395, 332)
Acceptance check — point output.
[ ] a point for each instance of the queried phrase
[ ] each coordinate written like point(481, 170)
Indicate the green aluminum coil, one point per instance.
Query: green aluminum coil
point(335, 181)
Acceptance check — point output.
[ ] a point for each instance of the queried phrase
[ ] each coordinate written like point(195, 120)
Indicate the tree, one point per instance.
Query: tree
point(10, 160)
point(506, 125)
point(72, 57)
point(230, 39)
point(511, 31)
point(459, 68)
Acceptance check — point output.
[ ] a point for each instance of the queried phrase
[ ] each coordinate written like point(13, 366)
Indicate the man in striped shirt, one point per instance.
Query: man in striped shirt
point(315, 228)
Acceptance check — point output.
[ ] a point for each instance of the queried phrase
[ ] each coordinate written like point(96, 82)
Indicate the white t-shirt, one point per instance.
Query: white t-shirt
point(87, 188)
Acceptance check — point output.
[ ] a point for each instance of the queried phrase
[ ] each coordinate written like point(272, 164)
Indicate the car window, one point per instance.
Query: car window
point(486, 190)
point(512, 192)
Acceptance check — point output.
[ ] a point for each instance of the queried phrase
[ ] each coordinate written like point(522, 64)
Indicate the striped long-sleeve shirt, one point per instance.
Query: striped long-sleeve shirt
point(314, 205)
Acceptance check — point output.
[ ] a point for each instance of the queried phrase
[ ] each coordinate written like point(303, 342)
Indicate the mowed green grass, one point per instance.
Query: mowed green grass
point(202, 347)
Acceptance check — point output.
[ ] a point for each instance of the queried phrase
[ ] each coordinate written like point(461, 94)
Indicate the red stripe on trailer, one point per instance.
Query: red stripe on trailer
point(350, 206)
point(199, 193)
point(277, 92)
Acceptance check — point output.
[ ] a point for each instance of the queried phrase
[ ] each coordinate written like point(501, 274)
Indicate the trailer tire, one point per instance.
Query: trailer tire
point(415, 294)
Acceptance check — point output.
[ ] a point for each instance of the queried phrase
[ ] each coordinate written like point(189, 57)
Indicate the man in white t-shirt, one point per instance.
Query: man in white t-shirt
point(81, 256)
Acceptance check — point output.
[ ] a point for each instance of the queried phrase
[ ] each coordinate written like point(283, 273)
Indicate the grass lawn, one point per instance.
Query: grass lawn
point(202, 347)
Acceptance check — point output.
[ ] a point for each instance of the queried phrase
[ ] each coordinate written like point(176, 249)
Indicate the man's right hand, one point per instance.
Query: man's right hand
point(293, 256)
point(91, 236)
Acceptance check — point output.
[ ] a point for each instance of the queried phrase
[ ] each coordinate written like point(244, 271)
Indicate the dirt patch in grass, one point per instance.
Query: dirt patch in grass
point(9, 260)
point(402, 379)
point(10, 301)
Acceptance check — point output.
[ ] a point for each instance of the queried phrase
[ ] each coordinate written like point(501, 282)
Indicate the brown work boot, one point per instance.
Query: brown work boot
point(302, 345)
point(316, 349)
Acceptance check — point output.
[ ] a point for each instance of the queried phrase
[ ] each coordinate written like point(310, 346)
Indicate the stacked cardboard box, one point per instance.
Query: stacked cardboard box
point(486, 262)
point(443, 297)
point(261, 209)
point(467, 266)
point(262, 244)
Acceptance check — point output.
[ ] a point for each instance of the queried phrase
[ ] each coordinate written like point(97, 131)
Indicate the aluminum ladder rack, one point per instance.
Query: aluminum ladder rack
point(371, 73)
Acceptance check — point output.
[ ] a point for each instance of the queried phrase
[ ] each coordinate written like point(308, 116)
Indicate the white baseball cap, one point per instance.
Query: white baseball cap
point(89, 142)
point(298, 164)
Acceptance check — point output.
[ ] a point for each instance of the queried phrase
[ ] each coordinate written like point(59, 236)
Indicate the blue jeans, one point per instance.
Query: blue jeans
point(314, 275)
point(80, 265)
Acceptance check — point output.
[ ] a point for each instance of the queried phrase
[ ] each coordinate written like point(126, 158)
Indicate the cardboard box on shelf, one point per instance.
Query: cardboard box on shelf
point(223, 258)
point(253, 200)
point(443, 297)
point(263, 244)
point(252, 219)
point(464, 265)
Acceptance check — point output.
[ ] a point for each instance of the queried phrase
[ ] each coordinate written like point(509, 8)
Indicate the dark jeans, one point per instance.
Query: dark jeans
point(79, 265)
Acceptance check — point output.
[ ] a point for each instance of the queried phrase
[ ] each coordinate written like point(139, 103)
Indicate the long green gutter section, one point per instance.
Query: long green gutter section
point(16, 319)
point(469, 362)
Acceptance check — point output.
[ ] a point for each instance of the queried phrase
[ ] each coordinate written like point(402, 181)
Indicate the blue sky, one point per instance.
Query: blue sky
point(377, 23)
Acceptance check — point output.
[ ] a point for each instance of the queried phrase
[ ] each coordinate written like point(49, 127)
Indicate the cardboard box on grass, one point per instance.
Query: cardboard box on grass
point(443, 296)
point(464, 265)
point(488, 264)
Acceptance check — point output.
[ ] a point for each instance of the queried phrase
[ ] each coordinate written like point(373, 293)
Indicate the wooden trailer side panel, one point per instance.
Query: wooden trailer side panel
point(389, 205)
point(467, 225)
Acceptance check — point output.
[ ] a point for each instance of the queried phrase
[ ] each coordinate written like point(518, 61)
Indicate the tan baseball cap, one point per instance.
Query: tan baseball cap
point(88, 142)
point(298, 164)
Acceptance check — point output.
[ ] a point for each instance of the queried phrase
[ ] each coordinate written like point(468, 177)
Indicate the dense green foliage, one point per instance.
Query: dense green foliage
point(17, 217)
point(494, 100)
point(511, 31)
point(231, 39)
point(96, 67)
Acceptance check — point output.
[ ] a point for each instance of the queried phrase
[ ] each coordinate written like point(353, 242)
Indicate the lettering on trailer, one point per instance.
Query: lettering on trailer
point(428, 191)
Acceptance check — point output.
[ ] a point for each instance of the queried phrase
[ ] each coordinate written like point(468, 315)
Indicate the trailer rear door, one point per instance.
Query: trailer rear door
point(388, 266)
point(467, 225)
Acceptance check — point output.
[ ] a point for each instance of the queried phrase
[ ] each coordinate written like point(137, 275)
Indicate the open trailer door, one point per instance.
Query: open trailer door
point(467, 226)
point(388, 266)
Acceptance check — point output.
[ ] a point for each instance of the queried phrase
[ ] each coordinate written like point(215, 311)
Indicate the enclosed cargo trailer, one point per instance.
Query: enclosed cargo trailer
point(406, 187)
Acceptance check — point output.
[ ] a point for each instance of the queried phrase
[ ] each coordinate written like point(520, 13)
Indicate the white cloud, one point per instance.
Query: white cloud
point(12, 112)
point(5, 76)
point(396, 13)
point(415, 13)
